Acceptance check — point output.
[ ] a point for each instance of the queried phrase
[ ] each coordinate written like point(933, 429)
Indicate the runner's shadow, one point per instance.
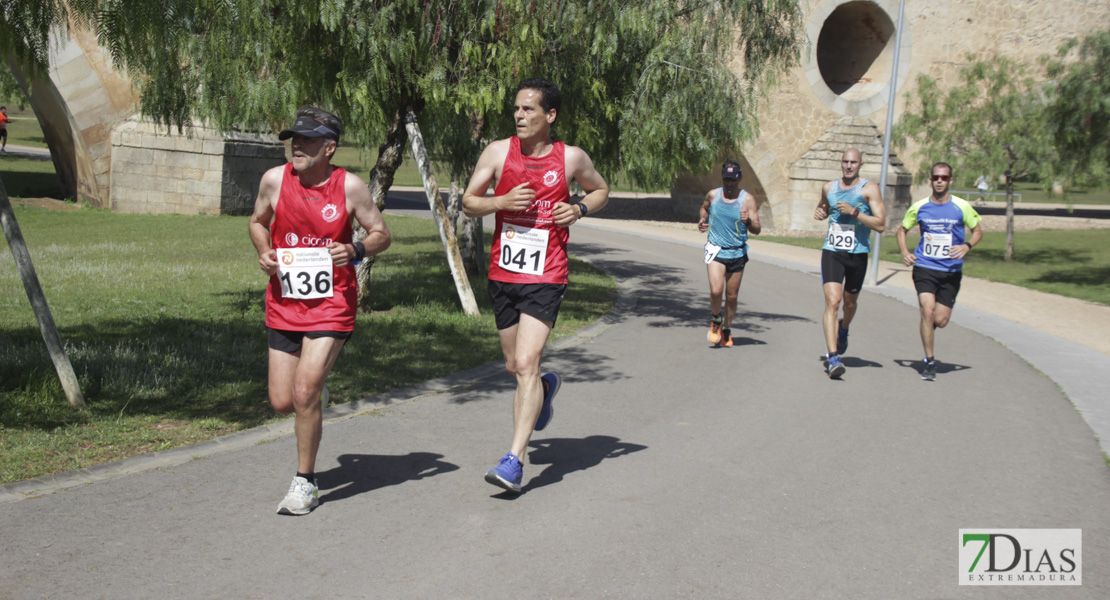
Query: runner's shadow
point(852, 362)
point(942, 367)
point(360, 473)
point(567, 455)
point(740, 341)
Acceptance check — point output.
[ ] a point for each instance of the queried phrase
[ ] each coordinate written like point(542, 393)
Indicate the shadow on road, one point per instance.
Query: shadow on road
point(360, 473)
point(576, 364)
point(942, 367)
point(567, 455)
point(853, 362)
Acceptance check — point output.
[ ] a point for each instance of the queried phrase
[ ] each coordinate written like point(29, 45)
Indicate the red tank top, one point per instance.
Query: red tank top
point(528, 247)
point(312, 217)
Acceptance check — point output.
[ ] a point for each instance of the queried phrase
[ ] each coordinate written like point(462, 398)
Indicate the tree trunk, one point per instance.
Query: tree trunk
point(471, 244)
point(390, 155)
point(38, 303)
point(1009, 254)
point(454, 198)
point(446, 233)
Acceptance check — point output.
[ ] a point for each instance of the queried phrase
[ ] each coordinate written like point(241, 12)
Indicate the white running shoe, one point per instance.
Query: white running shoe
point(303, 496)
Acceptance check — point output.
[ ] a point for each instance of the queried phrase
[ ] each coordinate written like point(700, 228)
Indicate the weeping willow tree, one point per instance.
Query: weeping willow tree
point(651, 88)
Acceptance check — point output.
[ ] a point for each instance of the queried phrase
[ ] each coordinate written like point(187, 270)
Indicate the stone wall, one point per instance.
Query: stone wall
point(203, 172)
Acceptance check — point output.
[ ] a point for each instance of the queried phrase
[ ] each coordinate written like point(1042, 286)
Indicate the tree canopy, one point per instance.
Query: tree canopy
point(649, 87)
point(1079, 112)
point(991, 123)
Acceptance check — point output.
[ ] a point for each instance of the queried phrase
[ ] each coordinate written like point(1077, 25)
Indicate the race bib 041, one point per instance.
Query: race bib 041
point(305, 273)
point(523, 249)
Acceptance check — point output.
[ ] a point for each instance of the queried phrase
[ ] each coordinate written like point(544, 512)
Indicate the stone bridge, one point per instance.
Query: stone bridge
point(836, 98)
point(106, 156)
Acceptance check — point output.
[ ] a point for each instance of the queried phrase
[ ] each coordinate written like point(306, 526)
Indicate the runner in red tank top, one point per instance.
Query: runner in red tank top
point(531, 174)
point(301, 228)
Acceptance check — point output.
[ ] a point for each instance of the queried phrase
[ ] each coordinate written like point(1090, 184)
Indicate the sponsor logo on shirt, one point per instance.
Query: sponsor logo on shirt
point(291, 240)
point(551, 178)
point(330, 213)
point(310, 241)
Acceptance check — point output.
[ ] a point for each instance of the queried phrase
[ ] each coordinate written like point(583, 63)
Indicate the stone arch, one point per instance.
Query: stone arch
point(851, 54)
point(106, 156)
point(689, 190)
point(78, 102)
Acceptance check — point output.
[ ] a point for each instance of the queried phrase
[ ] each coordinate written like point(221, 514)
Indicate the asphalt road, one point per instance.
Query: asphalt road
point(672, 469)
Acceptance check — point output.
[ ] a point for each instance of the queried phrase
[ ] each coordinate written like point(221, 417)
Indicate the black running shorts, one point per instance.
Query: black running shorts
point(733, 265)
point(541, 300)
point(848, 268)
point(290, 341)
point(943, 285)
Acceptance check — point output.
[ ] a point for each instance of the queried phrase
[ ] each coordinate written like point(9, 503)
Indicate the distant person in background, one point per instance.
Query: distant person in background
point(4, 120)
point(729, 214)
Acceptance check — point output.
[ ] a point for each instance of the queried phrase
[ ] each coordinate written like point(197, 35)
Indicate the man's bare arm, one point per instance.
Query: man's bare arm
point(750, 215)
point(361, 206)
point(476, 203)
point(822, 211)
point(581, 169)
point(259, 223)
point(703, 212)
point(876, 221)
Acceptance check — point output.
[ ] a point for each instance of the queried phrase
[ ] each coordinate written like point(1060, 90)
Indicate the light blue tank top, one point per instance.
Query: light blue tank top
point(725, 227)
point(841, 225)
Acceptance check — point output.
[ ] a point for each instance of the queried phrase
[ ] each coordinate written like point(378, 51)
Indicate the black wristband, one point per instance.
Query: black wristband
point(969, 245)
point(360, 251)
point(585, 209)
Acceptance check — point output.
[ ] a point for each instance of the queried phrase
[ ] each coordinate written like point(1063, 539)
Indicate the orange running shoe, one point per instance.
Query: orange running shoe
point(714, 335)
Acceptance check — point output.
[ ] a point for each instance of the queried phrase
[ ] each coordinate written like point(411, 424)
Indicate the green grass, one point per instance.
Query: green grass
point(1069, 263)
point(1035, 192)
point(162, 316)
point(29, 178)
point(23, 129)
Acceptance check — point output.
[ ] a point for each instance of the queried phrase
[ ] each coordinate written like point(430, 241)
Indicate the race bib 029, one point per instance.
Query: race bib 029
point(842, 237)
point(523, 249)
point(305, 273)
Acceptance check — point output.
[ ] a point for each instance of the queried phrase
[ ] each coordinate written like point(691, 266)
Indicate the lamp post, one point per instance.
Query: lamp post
point(876, 237)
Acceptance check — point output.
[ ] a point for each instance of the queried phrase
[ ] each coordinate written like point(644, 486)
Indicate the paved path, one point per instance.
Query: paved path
point(671, 470)
point(26, 152)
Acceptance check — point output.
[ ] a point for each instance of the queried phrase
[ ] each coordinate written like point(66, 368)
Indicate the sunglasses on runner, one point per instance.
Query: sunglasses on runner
point(941, 177)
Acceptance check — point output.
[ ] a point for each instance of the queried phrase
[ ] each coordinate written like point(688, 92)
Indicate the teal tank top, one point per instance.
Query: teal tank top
point(846, 233)
point(725, 227)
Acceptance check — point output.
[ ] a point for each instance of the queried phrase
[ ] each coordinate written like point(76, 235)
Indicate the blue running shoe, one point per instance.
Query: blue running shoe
point(507, 474)
point(841, 338)
point(551, 384)
point(835, 368)
point(929, 372)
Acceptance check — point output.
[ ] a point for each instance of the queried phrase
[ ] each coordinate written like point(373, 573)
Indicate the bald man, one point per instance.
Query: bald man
point(854, 208)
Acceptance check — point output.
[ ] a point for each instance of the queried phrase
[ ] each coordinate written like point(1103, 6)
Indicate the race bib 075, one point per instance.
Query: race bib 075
point(305, 273)
point(936, 245)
